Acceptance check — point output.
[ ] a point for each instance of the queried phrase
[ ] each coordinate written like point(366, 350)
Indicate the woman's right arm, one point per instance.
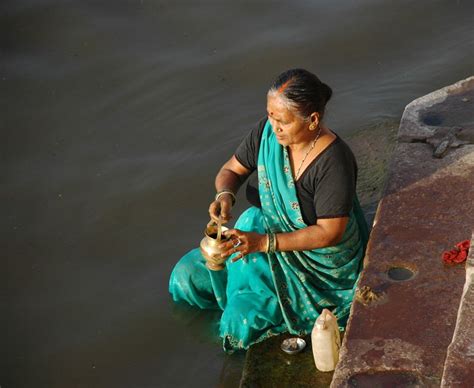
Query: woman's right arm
point(230, 177)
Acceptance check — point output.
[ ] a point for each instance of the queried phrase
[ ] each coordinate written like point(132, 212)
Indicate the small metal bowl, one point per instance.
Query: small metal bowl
point(293, 345)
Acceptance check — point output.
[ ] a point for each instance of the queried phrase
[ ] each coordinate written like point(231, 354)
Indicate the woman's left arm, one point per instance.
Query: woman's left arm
point(326, 232)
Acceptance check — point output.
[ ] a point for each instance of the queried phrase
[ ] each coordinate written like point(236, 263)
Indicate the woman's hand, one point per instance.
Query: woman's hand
point(229, 178)
point(221, 207)
point(243, 243)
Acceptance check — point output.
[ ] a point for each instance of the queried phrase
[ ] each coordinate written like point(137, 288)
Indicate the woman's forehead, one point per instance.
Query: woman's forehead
point(277, 107)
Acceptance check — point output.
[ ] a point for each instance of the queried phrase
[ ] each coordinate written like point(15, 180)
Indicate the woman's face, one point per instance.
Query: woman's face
point(288, 126)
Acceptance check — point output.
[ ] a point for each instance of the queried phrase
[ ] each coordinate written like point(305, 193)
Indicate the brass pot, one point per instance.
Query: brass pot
point(210, 246)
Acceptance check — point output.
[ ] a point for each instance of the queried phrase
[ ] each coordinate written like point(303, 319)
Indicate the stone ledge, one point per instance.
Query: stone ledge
point(443, 108)
point(401, 333)
point(399, 330)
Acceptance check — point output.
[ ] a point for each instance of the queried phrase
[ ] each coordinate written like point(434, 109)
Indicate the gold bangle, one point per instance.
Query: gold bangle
point(225, 191)
point(271, 245)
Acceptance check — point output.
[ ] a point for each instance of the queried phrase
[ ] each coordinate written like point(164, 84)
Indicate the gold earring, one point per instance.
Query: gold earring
point(312, 127)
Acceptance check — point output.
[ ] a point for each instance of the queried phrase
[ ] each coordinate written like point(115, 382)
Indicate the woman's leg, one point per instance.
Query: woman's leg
point(191, 281)
point(252, 312)
point(250, 317)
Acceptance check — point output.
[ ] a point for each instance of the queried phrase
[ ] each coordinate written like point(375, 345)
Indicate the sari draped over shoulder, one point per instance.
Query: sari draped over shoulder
point(268, 294)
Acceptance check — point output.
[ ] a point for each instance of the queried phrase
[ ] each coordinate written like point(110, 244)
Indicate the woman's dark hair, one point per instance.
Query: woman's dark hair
point(303, 90)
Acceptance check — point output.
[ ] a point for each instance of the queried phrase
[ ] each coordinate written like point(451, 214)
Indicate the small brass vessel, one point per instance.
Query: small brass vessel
point(210, 246)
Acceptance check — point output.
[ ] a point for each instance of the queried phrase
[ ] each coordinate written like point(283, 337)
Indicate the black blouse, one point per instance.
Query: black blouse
point(326, 188)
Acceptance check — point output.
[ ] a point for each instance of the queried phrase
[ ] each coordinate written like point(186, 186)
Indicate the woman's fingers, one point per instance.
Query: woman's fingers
point(239, 251)
point(230, 247)
point(214, 210)
point(220, 209)
point(237, 244)
point(227, 245)
point(225, 211)
point(234, 233)
point(238, 257)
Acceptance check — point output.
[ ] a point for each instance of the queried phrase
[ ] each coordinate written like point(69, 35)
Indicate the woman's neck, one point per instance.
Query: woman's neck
point(303, 145)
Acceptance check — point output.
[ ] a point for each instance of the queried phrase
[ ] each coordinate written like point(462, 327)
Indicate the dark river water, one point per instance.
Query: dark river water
point(115, 117)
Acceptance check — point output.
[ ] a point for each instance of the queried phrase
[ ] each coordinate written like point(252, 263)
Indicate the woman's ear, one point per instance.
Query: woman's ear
point(314, 118)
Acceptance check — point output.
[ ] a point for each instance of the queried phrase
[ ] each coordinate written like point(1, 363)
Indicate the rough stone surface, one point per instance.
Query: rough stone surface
point(428, 206)
point(438, 113)
point(399, 330)
point(459, 365)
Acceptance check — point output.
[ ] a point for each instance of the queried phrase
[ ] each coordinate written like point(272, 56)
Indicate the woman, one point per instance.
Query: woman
point(299, 248)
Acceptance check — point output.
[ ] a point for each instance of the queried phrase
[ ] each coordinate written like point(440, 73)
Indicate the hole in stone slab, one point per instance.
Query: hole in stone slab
point(432, 119)
point(400, 274)
point(385, 379)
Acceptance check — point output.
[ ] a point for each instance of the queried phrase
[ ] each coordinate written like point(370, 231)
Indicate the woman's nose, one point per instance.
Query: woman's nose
point(274, 124)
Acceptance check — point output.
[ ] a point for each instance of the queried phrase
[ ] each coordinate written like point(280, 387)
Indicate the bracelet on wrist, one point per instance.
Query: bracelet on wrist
point(274, 245)
point(226, 191)
point(271, 243)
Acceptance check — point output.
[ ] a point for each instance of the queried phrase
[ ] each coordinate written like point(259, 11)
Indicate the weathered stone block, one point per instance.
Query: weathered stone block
point(405, 311)
point(436, 114)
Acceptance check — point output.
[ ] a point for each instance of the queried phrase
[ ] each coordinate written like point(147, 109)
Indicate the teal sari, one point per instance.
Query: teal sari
point(267, 294)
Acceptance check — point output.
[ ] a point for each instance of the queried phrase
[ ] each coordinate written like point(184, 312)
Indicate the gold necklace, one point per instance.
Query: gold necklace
point(297, 175)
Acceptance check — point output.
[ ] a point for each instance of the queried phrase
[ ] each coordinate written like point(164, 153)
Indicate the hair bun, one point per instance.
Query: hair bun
point(304, 90)
point(327, 91)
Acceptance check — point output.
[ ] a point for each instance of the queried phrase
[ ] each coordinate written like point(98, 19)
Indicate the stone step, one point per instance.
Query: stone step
point(405, 312)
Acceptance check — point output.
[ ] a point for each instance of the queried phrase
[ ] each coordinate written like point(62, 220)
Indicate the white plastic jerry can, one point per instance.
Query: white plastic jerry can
point(326, 341)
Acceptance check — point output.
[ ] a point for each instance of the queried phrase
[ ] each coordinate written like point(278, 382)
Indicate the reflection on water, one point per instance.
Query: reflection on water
point(112, 111)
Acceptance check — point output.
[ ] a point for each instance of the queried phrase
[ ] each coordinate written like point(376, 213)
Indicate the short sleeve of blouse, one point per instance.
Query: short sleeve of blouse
point(247, 151)
point(336, 183)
